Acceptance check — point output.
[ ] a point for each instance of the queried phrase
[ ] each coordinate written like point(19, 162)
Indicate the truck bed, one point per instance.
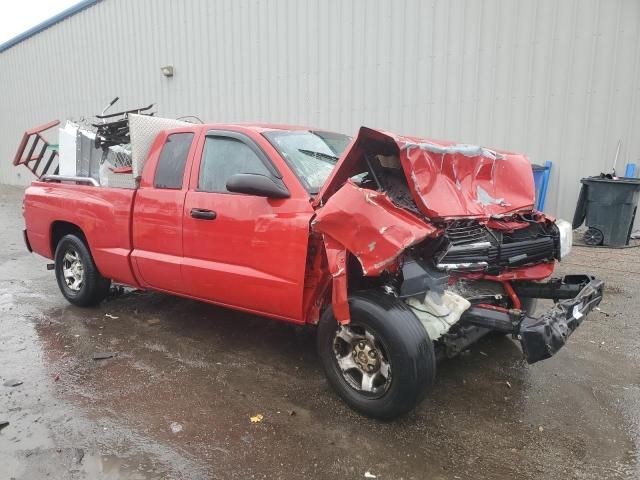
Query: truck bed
point(102, 213)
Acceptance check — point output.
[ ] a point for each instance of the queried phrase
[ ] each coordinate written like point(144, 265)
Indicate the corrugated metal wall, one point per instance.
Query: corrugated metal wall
point(556, 79)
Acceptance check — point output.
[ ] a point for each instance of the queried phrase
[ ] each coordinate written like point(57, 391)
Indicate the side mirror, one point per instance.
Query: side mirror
point(256, 184)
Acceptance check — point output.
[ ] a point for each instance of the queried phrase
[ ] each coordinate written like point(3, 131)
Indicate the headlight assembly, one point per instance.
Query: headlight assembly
point(565, 230)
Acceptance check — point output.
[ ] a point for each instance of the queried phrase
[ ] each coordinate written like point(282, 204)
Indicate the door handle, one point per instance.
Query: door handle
point(203, 214)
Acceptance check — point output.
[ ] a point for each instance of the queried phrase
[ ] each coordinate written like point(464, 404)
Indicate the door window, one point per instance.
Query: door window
point(170, 169)
point(223, 157)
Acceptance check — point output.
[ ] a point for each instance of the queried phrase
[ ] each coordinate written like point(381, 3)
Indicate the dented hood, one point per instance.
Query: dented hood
point(446, 180)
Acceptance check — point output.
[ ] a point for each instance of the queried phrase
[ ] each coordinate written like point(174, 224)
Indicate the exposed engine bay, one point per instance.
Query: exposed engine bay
point(450, 229)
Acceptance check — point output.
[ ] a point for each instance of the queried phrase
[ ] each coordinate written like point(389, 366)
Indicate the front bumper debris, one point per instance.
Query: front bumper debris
point(542, 336)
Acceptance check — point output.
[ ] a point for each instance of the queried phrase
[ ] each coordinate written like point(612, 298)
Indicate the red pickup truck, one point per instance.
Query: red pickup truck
point(401, 250)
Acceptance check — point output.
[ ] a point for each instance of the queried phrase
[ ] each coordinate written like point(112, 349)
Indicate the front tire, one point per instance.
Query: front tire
point(78, 277)
point(383, 362)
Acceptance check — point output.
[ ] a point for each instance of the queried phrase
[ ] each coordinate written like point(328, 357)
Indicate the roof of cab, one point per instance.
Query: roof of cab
point(257, 127)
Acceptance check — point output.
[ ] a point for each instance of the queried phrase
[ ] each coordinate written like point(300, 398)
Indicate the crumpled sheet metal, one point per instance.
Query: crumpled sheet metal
point(370, 226)
point(337, 261)
point(506, 225)
point(446, 180)
point(464, 180)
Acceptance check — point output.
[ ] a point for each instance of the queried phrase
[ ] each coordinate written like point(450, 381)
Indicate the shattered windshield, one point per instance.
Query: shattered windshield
point(312, 155)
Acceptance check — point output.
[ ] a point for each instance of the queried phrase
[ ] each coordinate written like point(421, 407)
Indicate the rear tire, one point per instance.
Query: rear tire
point(400, 355)
point(78, 277)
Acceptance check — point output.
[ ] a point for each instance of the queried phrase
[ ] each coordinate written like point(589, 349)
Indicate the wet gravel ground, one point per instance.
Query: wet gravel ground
point(176, 400)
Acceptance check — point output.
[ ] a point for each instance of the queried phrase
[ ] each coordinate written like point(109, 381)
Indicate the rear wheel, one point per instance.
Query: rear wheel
point(78, 277)
point(383, 361)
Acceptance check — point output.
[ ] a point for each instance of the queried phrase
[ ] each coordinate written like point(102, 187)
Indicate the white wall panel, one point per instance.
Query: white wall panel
point(556, 79)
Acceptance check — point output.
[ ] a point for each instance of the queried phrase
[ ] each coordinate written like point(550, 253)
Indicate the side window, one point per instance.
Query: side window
point(170, 169)
point(223, 157)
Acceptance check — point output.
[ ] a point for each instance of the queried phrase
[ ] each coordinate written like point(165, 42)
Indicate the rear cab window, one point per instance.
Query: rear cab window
point(172, 160)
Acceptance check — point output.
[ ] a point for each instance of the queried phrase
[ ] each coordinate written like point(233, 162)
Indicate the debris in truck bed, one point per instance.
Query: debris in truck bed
point(110, 150)
point(40, 158)
point(113, 129)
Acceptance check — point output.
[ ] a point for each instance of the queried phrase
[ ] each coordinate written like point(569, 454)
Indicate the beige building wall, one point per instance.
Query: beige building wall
point(556, 79)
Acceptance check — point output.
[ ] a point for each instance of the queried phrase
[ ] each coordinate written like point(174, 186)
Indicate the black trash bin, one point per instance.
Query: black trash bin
point(609, 208)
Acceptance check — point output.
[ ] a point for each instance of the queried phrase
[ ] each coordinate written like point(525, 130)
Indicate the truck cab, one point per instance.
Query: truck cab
point(195, 236)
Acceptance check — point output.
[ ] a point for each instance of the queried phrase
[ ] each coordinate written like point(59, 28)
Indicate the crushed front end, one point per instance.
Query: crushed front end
point(451, 230)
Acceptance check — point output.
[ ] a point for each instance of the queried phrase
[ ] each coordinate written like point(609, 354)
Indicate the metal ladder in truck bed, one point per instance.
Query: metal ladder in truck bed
point(41, 158)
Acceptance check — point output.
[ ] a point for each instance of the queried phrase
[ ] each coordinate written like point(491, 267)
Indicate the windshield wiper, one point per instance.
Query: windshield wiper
point(319, 155)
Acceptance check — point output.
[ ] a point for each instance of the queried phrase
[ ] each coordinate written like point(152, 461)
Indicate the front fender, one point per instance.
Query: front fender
point(368, 225)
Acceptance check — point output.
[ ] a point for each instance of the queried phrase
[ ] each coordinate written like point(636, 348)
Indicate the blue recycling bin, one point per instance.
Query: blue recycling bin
point(541, 181)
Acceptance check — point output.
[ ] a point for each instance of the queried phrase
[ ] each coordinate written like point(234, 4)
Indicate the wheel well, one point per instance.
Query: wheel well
point(356, 278)
point(59, 229)
point(355, 275)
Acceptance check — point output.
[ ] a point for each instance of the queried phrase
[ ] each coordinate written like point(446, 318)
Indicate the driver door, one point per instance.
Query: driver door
point(240, 250)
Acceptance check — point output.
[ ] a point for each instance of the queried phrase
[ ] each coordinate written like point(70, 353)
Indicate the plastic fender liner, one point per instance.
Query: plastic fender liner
point(418, 277)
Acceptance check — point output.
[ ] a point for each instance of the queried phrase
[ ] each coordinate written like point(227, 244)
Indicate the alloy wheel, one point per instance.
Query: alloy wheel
point(362, 360)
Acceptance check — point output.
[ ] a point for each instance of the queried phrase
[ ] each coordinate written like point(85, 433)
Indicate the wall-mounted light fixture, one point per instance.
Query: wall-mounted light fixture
point(167, 71)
